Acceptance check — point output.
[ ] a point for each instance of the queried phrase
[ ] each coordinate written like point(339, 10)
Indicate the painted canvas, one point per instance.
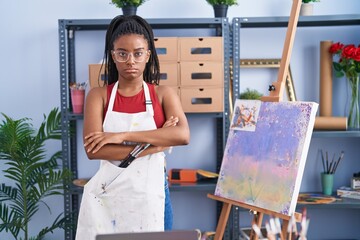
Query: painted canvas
point(265, 153)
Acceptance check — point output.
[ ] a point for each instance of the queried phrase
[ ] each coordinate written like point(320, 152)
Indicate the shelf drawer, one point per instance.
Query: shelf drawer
point(202, 99)
point(169, 74)
point(167, 48)
point(201, 49)
point(201, 74)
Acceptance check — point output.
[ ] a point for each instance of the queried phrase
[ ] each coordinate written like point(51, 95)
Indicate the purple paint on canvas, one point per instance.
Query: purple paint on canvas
point(261, 167)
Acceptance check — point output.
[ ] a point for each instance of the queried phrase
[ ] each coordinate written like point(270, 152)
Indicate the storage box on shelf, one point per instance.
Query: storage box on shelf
point(169, 74)
point(196, 67)
point(201, 74)
point(202, 99)
point(201, 49)
point(167, 49)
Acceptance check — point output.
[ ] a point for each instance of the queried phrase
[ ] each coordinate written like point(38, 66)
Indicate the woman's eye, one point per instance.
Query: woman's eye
point(138, 54)
point(122, 54)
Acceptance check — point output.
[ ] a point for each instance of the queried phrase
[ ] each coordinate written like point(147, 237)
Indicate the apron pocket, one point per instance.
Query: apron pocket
point(106, 175)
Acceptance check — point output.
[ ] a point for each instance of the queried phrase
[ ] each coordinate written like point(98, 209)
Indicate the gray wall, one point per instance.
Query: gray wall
point(29, 66)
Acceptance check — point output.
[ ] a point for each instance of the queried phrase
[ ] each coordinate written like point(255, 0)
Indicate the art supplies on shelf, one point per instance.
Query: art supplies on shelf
point(315, 198)
point(355, 181)
point(190, 175)
point(348, 192)
point(330, 167)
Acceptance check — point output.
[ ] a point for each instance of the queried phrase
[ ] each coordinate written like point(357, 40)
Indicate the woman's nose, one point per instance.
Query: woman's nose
point(131, 59)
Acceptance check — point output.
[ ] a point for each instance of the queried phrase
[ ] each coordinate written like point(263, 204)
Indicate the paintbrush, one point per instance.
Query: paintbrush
point(322, 159)
point(338, 161)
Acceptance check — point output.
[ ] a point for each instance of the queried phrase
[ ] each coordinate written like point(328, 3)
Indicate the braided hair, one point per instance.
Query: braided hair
point(123, 25)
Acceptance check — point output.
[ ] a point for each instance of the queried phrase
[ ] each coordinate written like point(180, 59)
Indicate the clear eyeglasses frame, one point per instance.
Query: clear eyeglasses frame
point(123, 56)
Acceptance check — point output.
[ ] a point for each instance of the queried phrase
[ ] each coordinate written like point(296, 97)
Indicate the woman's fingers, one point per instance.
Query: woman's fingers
point(172, 121)
point(95, 141)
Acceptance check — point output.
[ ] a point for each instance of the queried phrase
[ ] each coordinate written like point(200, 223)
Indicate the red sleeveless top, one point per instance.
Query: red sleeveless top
point(136, 103)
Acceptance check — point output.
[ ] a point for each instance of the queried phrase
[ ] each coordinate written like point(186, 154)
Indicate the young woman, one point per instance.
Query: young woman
point(129, 110)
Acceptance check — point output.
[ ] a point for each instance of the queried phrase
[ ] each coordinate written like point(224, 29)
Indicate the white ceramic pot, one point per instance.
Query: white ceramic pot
point(306, 9)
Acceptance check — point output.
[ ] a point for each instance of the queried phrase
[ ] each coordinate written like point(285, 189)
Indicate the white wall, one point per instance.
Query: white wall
point(29, 59)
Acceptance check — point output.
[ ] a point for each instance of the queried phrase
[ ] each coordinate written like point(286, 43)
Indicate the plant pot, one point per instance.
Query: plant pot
point(129, 10)
point(220, 10)
point(77, 100)
point(306, 9)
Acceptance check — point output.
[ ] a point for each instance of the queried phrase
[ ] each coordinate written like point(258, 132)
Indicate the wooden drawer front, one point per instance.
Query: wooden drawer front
point(167, 48)
point(201, 49)
point(201, 74)
point(96, 79)
point(197, 99)
point(169, 74)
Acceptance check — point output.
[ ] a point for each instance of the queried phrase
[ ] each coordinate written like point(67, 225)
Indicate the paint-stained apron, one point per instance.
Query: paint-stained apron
point(124, 199)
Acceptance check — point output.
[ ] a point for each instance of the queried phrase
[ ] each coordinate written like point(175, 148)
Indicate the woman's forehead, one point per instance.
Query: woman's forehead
point(133, 41)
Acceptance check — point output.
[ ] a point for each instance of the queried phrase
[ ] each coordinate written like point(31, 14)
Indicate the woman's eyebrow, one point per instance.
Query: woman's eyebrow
point(136, 49)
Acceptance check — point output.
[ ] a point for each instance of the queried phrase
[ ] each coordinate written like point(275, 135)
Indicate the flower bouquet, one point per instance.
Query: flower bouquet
point(348, 65)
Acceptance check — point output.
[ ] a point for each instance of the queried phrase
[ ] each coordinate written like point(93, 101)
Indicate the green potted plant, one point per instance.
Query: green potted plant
point(129, 7)
point(307, 8)
point(221, 6)
point(250, 94)
point(33, 174)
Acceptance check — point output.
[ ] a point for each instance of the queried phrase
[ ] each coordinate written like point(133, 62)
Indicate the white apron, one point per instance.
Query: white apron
point(124, 199)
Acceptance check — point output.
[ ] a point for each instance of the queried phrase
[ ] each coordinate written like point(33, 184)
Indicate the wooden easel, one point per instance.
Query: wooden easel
point(258, 217)
point(276, 92)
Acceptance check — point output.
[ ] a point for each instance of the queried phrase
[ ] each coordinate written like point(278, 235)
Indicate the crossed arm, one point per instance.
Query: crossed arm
point(108, 145)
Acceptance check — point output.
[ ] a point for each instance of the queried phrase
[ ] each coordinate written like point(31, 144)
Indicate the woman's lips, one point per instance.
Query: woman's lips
point(131, 70)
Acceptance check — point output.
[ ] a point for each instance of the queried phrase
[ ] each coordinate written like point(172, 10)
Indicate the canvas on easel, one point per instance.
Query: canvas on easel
point(266, 150)
point(265, 154)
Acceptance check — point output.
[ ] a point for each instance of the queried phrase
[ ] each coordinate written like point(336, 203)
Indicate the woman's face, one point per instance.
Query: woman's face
point(130, 55)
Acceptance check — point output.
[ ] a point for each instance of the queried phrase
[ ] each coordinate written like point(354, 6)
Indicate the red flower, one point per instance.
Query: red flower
point(349, 51)
point(336, 47)
point(348, 59)
point(357, 54)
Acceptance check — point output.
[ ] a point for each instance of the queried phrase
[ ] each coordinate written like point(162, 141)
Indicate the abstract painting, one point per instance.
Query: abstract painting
point(265, 153)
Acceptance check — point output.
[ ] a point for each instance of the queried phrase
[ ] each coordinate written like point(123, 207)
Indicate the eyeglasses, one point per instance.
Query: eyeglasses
point(138, 56)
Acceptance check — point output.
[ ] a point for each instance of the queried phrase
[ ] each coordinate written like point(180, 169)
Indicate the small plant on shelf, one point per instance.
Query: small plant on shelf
point(250, 94)
point(125, 3)
point(222, 2)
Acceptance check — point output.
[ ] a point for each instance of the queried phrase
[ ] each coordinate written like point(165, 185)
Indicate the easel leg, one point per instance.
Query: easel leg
point(224, 215)
point(258, 217)
point(284, 228)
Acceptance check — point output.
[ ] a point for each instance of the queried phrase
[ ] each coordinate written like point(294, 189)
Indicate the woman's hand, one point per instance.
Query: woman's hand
point(171, 122)
point(96, 140)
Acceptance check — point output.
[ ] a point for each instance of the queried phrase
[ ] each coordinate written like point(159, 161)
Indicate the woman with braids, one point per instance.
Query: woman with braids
point(131, 109)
